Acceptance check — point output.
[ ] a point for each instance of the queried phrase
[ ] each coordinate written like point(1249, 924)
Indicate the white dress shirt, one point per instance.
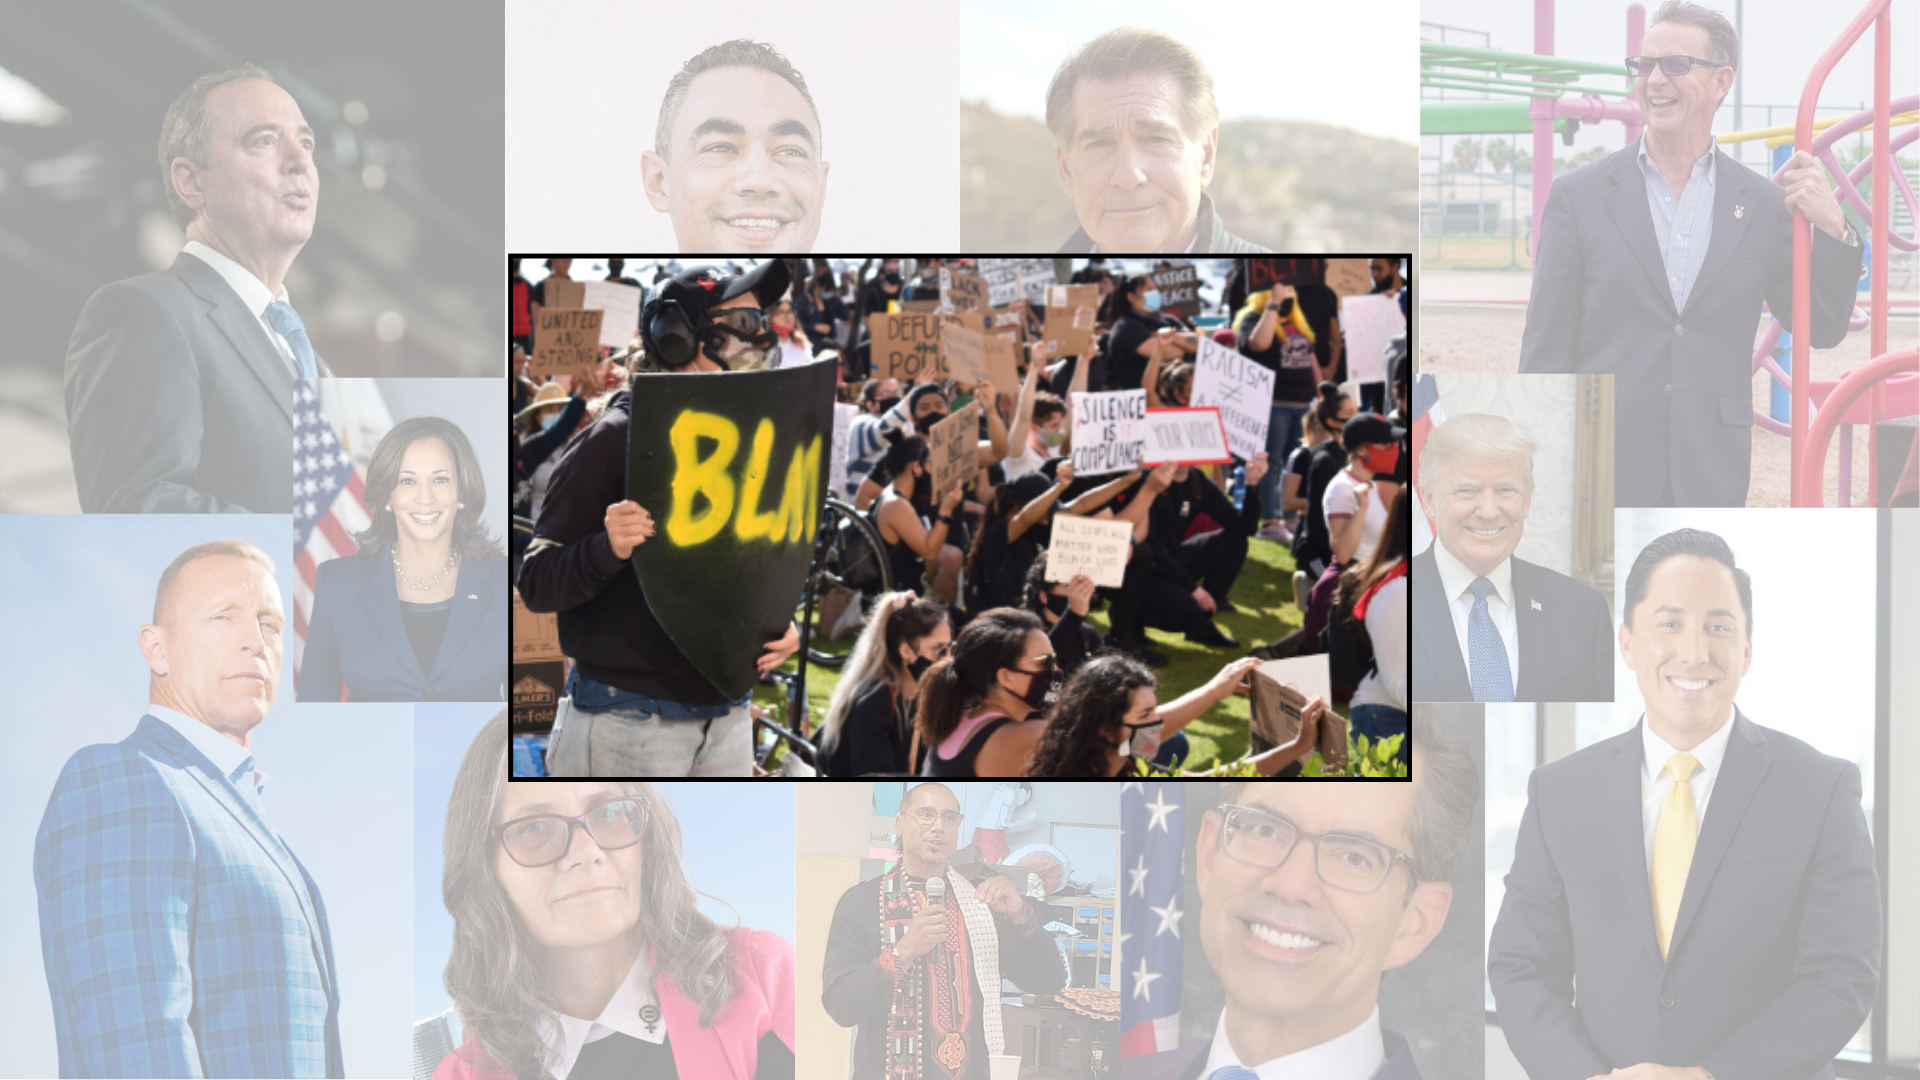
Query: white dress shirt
point(1356, 1055)
point(1454, 579)
point(1656, 781)
point(622, 1014)
point(252, 292)
point(225, 754)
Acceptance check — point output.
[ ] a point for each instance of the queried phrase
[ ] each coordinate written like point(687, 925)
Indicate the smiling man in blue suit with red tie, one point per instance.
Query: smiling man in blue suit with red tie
point(182, 938)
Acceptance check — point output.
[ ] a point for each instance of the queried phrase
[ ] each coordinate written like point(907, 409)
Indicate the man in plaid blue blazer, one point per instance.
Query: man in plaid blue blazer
point(181, 935)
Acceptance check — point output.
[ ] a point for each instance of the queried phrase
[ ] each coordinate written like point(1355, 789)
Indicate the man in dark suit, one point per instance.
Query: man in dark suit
point(1652, 263)
point(179, 383)
point(1708, 884)
point(1488, 626)
point(1308, 894)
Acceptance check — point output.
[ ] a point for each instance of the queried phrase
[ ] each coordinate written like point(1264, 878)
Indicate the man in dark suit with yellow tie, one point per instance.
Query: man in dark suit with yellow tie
point(1706, 883)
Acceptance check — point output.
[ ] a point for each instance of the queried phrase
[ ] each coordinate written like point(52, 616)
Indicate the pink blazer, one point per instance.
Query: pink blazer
point(762, 1002)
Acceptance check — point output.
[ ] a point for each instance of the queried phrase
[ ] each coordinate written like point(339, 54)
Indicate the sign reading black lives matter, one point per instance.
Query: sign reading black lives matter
point(733, 468)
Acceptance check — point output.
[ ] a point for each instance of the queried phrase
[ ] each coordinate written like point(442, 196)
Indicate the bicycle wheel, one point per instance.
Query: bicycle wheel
point(851, 562)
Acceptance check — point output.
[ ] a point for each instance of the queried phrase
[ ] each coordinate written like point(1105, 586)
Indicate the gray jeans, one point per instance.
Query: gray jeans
point(634, 743)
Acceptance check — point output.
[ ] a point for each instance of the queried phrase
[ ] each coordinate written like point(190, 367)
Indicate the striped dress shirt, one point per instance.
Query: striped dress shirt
point(1683, 225)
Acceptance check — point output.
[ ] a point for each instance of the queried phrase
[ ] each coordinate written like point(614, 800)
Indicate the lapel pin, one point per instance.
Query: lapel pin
point(473, 596)
point(1536, 605)
point(1739, 211)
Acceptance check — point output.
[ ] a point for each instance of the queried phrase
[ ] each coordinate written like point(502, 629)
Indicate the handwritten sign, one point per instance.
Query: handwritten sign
point(1106, 431)
point(1006, 277)
point(565, 339)
point(843, 415)
point(1370, 322)
point(1184, 437)
point(1241, 389)
point(1009, 323)
point(1349, 277)
point(906, 346)
point(954, 458)
point(964, 352)
point(962, 291)
point(1266, 273)
point(1281, 690)
point(622, 306)
point(1179, 291)
point(1096, 547)
point(1070, 315)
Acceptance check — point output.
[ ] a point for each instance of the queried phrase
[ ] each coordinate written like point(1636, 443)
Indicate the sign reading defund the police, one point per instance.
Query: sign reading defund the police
point(1106, 431)
point(733, 468)
point(1241, 389)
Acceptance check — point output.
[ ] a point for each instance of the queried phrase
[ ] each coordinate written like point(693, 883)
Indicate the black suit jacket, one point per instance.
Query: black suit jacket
point(1683, 381)
point(1186, 1062)
point(1566, 642)
point(359, 638)
point(177, 401)
point(1775, 954)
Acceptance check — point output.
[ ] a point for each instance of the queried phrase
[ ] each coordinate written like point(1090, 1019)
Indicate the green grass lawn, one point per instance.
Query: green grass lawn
point(1264, 596)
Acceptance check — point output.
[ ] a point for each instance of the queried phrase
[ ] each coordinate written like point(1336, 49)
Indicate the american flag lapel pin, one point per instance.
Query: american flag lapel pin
point(476, 596)
point(1536, 605)
point(1739, 211)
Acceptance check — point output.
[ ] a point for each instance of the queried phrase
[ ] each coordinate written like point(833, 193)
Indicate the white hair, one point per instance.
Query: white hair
point(1474, 435)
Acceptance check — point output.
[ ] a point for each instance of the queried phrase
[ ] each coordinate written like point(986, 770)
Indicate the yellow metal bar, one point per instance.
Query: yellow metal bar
point(1784, 132)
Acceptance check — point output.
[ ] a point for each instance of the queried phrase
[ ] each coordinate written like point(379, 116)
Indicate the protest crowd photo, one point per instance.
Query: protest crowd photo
point(906, 516)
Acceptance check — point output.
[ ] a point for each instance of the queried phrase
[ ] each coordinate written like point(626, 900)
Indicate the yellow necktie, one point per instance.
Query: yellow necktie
point(1673, 848)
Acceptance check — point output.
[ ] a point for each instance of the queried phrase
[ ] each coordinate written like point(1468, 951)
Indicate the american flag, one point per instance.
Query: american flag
point(337, 422)
point(1427, 415)
point(1153, 833)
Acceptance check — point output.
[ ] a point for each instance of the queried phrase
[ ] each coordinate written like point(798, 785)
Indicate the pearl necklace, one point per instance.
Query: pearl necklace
point(408, 580)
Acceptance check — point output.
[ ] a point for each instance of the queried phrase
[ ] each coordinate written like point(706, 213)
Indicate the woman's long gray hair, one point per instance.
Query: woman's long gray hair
point(493, 976)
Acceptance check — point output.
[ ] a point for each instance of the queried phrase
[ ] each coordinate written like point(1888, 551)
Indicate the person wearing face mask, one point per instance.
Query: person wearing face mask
point(1108, 719)
point(1355, 514)
point(1311, 551)
point(916, 542)
point(636, 706)
point(821, 312)
point(1140, 331)
point(1173, 389)
point(558, 415)
point(875, 294)
point(883, 412)
point(979, 708)
point(794, 346)
point(1272, 331)
point(869, 722)
point(1488, 625)
point(927, 405)
point(926, 280)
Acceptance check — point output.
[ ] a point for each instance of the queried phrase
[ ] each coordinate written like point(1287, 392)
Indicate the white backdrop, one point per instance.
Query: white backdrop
point(1543, 407)
point(583, 87)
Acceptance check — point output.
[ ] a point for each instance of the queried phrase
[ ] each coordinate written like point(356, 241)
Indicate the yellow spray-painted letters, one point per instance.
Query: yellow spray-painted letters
point(695, 476)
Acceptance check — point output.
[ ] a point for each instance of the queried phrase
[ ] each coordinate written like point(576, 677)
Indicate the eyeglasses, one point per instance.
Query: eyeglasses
point(1675, 66)
point(540, 839)
point(927, 815)
point(1349, 863)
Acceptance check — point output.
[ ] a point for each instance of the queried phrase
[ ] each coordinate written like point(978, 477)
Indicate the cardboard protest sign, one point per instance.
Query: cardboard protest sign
point(962, 291)
point(621, 304)
point(733, 467)
point(565, 339)
point(955, 458)
point(1349, 277)
point(1009, 323)
point(1266, 273)
point(1007, 277)
point(906, 346)
point(1096, 547)
point(964, 353)
point(843, 415)
point(562, 292)
point(1276, 705)
point(1179, 291)
point(1070, 316)
point(1184, 437)
point(1241, 389)
point(536, 635)
point(922, 306)
point(1106, 431)
point(1003, 363)
point(1369, 323)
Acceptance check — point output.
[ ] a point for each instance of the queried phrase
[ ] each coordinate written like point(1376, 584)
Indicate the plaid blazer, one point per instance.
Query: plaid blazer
point(182, 938)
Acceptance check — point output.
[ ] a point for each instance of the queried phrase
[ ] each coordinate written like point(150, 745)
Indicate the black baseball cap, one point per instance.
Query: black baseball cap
point(698, 288)
point(1364, 428)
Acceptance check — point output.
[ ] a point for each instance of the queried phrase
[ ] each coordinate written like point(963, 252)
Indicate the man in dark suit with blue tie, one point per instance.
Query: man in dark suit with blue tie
point(179, 383)
point(1487, 625)
point(1308, 894)
point(1653, 261)
point(1706, 883)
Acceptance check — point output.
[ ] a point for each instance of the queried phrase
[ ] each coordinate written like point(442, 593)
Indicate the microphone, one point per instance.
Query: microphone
point(937, 894)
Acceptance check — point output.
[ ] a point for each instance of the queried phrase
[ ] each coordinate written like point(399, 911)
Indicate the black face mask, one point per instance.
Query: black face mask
point(886, 403)
point(917, 667)
point(892, 276)
point(1057, 605)
point(1042, 689)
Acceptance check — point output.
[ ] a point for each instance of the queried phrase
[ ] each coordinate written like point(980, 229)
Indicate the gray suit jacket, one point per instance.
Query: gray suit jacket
point(177, 401)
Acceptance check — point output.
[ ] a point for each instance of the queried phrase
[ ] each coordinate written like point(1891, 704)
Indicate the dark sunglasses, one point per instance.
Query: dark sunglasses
point(1674, 66)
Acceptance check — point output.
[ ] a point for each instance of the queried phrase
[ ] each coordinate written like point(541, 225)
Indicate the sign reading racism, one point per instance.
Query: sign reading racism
point(1179, 290)
point(1006, 277)
point(622, 306)
point(733, 467)
point(954, 457)
point(565, 339)
point(1241, 389)
point(1266, 273)
point(1106, 431)
point(906, 346)
point(1184, 437)
point(1095, 547)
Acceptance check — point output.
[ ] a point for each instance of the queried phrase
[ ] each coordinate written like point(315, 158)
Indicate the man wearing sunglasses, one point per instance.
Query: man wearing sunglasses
point(1309, 894)
point(1652, 263)
point(635, 705)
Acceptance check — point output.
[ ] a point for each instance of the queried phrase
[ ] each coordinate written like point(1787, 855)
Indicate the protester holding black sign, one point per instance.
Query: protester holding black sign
point(1134, 313)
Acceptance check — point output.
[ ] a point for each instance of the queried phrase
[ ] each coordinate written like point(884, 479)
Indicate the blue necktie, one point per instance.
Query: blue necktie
point(1234, 1072)
point(1486, 652)
point(286, 322)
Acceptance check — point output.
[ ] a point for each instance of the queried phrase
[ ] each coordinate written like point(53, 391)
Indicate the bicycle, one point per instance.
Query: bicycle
point(849, 566)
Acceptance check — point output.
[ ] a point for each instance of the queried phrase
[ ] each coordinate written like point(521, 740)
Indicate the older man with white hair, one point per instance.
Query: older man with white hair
point(1488, 626)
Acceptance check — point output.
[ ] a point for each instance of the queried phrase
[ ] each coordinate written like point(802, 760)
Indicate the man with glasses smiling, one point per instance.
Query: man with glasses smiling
point(1308, 894)
point(1652, 262)
point(910, 971)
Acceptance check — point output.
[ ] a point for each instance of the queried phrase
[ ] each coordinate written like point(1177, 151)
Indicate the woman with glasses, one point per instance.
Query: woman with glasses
point(1109, 718)
point(869, 722)
point(579, 951)
point(977, 706)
